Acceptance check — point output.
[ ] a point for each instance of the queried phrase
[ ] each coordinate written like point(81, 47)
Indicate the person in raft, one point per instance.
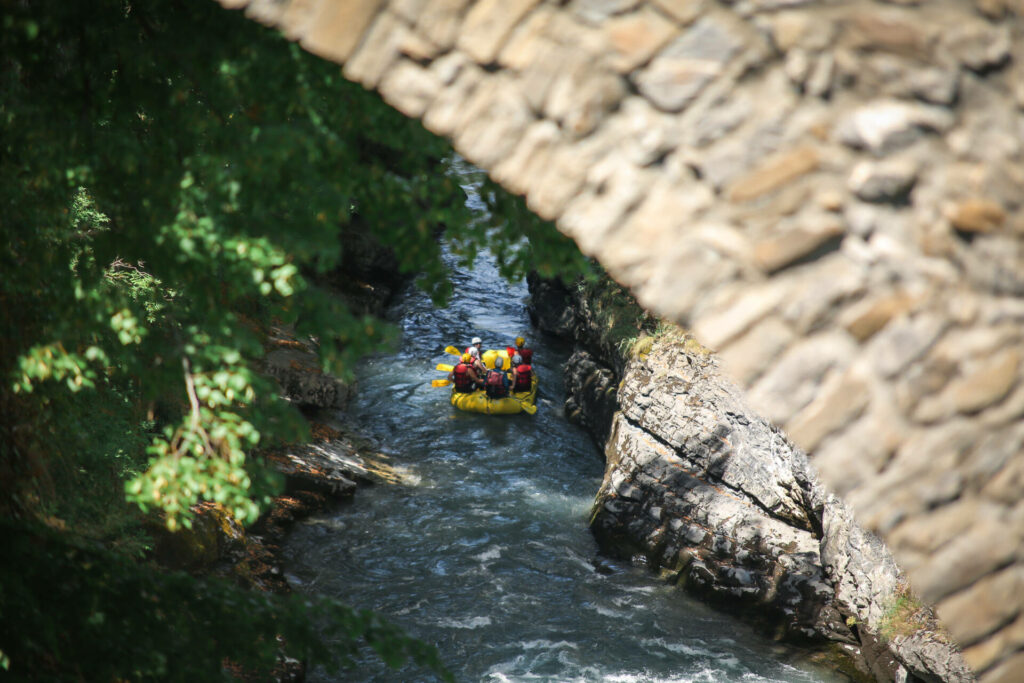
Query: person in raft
point(496, 382)
point(527, 354)
point(477, 363)
point(522, 374)
point(464, 377)
point(477, 344)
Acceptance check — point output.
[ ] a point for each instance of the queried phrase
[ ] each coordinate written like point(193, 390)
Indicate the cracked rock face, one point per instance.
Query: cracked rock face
point(717, 499)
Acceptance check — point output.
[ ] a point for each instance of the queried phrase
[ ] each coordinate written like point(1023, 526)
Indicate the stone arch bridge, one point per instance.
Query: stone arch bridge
point(826, 192)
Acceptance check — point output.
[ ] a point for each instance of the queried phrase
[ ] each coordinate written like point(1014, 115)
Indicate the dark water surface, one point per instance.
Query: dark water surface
point(486, 551)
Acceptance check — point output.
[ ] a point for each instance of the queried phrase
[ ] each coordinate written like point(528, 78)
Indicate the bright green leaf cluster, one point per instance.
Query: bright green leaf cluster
point(53, 362)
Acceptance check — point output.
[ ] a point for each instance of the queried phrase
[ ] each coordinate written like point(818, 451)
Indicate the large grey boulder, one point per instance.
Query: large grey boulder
point(703, 489)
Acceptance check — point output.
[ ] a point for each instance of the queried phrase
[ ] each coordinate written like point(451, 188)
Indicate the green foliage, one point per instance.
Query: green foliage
point(904, 615)
point(619, 318)
point(174, 179)
point(178, 628)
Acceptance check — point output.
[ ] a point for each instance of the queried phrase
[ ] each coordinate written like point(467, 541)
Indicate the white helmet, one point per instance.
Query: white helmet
point(498, 362)
point(477, 340)
point(473, 351)
point(517, 359)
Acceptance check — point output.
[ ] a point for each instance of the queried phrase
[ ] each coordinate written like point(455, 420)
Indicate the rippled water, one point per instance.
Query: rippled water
point(487, 553)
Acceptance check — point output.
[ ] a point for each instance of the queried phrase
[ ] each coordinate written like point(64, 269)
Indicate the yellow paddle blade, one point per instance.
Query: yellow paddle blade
point(531, 409)
point(452, 350)
point(444, 367)
point(442, 383)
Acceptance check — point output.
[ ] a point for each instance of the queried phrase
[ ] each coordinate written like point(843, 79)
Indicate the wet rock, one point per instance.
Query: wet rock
point(591, 390)
point(550, 306)
point(295, 367)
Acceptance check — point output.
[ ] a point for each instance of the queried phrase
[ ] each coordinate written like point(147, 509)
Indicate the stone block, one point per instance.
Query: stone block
point(747, 357)
point(581, 96)
point(418, 48)
point(928, 533)
point(527, 41)
point(849, 458)
point(776, 171)
point(446, 111)
point(378, 52)
point(785, 249)
point(635, 37)
point(796, 378)
point(614, 187)
point(645, 135)
point(494, 119)
point(840, 402)
point(683, 12)
point(529, 157)
point(1006, 671)
point(884, 181)
point(268, 12)
point(409, 88)
point(985, 654)
point(904, 341)
point(820, 288)
point(985, 606)
point(886, 125)
point(663, 216)
point(821, 76)
point(1006, 486)
point(487, 24)
point(991, 544)
point(982, 383)
point(563, 176)
point(976, 215)
point(865, 318)
point(598, 11)
point(978, 45)
point(719, 327)
point(333, 30)
point(987, 382)
point(684, 68)
point(440, 21)
point(869, 29)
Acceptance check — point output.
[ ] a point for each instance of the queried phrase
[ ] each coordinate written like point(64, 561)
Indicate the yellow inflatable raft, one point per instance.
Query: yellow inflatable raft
point(478, 402)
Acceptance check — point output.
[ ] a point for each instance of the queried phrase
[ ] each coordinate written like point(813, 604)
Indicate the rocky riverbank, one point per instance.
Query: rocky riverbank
point(715, 498)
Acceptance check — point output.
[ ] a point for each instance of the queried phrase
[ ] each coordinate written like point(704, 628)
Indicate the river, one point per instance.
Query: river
point(485, 551)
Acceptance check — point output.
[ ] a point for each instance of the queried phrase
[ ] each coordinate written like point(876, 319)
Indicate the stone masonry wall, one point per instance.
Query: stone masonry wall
point(828, 193)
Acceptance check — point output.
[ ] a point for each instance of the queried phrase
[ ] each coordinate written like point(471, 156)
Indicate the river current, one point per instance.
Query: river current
point(485, 551)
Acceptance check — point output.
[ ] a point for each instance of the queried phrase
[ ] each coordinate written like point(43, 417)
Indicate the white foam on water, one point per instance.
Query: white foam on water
point(548, 645)
point(492, 553)
point(468, 623)
point(606, 612)
point(678, 648)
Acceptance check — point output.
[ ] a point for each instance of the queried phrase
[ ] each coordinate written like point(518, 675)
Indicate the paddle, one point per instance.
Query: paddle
point(452, 350)
point(439, 382)
point(527, 407)
point(444, 367)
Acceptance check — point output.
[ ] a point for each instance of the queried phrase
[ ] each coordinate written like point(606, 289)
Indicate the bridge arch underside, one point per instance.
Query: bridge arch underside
point(827, 193)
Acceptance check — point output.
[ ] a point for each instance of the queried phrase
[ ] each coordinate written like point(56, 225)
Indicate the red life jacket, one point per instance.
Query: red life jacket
point(524, 376)
point(524, 353)
point(461, 378)
point(495, 384)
